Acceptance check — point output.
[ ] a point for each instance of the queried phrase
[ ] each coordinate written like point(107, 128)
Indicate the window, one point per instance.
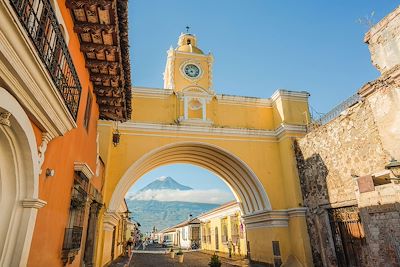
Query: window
point(73, 232)
point(203, 233)
point(208, 231)
point(224, 230)
point(235, 228)
point(277, 253)
point(87, 111)
point(184, 233)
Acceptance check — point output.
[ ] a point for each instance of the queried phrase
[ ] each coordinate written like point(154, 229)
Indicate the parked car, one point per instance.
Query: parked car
point(167, 244)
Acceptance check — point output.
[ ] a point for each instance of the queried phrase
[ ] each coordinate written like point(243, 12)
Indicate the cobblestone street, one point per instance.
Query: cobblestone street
point(191, 259)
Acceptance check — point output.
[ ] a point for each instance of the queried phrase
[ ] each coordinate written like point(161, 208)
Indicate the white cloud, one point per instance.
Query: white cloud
point(214, 196)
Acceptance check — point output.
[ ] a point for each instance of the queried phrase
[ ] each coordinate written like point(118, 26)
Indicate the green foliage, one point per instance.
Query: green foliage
point(214, 262)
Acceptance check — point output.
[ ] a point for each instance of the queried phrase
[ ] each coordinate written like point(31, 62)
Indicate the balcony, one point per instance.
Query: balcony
point(40, 23)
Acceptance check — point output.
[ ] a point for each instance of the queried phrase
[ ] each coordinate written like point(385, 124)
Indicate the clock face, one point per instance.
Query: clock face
point(192, 70)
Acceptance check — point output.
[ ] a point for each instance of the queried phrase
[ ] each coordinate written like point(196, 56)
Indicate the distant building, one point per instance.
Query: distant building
point(184, 234)
point(222, 227)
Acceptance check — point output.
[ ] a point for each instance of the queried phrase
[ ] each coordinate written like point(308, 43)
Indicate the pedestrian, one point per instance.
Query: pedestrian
point(129, 245)
point(230, 248)
point(144, 244)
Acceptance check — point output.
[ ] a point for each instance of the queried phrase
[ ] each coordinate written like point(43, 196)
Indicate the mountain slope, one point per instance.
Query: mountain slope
point(163, 214)
point(165, 183)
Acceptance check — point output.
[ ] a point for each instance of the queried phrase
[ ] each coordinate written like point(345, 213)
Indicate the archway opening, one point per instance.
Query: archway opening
point(173, 193)
point(244, 183)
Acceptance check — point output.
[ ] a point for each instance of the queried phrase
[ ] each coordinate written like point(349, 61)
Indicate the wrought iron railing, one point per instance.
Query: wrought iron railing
point(72, 238)
point(40, 22)
point(335, 112)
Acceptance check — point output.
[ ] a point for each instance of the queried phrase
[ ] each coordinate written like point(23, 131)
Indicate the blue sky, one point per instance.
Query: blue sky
point(259, 46)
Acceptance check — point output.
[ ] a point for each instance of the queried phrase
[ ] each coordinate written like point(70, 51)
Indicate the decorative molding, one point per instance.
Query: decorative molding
point(297, 212)
point(5, 118)
point(210, 62)
point(194, 122)
point(191, 62)
point(191, 54)
point(283, 128)
point(290, 128)
point(244, 101)
point(290, 95)
point(33, 203)
point(221, 211)
point(151, 92)
point(84, 168)
point(46, 138)
point(267, 219)
point(272, 218)
point(110, 219)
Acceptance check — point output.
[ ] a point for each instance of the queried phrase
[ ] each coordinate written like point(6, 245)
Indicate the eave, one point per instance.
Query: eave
point(102, 28)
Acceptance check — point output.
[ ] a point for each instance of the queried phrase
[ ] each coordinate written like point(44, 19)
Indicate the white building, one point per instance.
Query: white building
point(182, 235)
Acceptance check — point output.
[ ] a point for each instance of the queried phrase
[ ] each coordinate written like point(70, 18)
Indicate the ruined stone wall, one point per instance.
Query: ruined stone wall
point(331, 160)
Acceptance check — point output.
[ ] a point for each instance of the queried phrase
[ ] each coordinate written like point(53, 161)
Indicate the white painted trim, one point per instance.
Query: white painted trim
point(24, 73)
point(273, 218)
point(151, 92)
point(191, 54)
point(84, 168)
point(33, 203)
point(244, 101)
point(22, 139)
point(279, 132)
point(220, 212)
point(301, 96)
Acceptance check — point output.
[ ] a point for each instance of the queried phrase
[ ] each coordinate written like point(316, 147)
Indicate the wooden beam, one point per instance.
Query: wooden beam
point(78, 4)
point(92, 63)
point(92, 47)
point(83, 27)
point(99, 76)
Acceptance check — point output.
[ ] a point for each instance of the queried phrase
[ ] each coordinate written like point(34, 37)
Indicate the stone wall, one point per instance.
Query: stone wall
point(342, 164)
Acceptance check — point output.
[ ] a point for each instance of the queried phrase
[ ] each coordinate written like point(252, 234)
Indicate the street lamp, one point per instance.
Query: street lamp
point(394, 167)
point(116, 136)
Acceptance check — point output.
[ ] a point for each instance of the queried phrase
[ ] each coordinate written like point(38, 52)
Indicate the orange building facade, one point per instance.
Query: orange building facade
point(61, 69)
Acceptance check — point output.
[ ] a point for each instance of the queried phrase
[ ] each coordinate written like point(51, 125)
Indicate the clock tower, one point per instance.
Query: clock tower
point(188, 72)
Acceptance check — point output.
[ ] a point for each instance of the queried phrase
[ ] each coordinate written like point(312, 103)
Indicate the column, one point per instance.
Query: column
point(185, 107)
point(204, 109)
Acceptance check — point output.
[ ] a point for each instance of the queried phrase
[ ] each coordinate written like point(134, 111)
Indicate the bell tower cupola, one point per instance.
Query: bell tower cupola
point(187, 66)
point(188, 73)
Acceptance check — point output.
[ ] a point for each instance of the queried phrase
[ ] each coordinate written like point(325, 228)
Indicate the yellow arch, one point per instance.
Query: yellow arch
point(226, 165)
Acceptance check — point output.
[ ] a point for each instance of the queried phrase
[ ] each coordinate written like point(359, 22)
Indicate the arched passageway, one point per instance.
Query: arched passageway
point(19, 174)
point(242, 180)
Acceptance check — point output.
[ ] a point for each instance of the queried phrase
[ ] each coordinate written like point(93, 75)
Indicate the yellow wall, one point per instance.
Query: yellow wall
point(229, 125)
point(271, 159)
point(168, 109)
point(223, 246)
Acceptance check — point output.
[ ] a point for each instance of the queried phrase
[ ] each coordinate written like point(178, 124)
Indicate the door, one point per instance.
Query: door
point(348, 236)
point(216, 239)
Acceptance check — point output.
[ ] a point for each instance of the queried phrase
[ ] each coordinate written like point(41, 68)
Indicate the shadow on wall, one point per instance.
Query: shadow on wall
point(312, 174)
